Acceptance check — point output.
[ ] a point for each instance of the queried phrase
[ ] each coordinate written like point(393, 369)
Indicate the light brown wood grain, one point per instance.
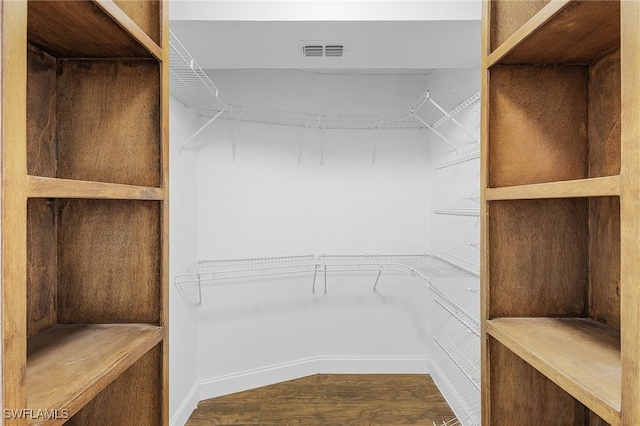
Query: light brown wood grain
point(591, 187)
point(520, 395)
point(562, 158)
point(509, 16)
point(68, 365)
point(328, 399)
point(134, 398)
point(629, 213)
point(42, 265)
point(145, 14)
point(604, 115)
point(41, 113)
point(43, 187)
point(82, 29)
point(13, 204)
point(109, 261)
point(539, 258)
point(570, 32)
point(130, 26)
point(84, 210)
point(485, 365)
point(164, 242)
point(579, 355)
point(2, 62)
point(604, 260)
point(106, 132)
point(537, 124)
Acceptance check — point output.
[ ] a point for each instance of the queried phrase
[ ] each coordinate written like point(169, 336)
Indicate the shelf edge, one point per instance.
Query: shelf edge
point(45, 187)
point(99, 383)
point(611, 415)
point(538, 20)
point(592, 187)
point(129, 26)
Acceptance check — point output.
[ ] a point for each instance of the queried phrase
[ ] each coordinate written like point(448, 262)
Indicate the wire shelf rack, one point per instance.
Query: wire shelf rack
point(452, 422)
point(192, 86)
point(422, 267)
point(463, 399)
point(471, 155)
point(464, 350)
point(188, 82)
point(426, 117)
point(460, 298)
point(465, 256)
point(468, 206)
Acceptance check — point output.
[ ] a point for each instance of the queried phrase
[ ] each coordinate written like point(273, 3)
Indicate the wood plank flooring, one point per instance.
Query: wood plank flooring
point(343, 399)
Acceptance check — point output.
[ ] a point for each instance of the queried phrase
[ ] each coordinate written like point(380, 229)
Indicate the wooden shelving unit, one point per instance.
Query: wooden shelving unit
point(559, 213)
point(84, 212)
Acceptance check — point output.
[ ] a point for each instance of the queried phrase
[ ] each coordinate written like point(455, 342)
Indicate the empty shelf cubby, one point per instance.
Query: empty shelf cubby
point(565, 119)
point(561, 256)
point(92, 261)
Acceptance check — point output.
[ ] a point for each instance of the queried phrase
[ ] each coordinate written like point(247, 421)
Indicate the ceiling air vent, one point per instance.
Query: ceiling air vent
point(313, 50)
point(319, 49)
point(334, 50)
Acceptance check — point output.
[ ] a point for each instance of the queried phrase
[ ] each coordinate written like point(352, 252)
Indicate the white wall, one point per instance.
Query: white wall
point(255, 332)
point(266, 204)
point(183, 326)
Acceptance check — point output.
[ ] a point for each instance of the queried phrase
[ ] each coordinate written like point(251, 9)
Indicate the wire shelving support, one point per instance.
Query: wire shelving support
point(465, 401)
point(465, 256)
point(452, 422)
point(193, 87)
point(423, 268)
point(464, 351)
point(470, 156)
point(469, 206)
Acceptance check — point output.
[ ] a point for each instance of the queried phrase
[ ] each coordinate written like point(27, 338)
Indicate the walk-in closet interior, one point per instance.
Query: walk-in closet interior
point(325, 181)
point(381, 212)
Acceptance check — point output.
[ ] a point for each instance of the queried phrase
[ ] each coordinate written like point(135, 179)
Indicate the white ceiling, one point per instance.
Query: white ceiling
point(393, 35)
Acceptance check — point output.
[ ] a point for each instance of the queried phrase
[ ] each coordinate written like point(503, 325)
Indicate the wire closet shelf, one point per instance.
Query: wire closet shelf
point(426, 269)
point(191, 85)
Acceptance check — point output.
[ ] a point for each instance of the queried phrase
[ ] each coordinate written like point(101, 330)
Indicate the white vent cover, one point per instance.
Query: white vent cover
point(327, 49)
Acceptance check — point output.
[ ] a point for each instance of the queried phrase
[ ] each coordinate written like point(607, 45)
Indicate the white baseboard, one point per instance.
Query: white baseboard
point(186, 408)
point(238, 382)
point(374, 365)
point(232, 383)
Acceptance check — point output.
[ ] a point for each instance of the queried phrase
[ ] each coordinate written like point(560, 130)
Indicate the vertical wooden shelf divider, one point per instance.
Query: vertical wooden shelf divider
point(560, 177)
point(84, 212)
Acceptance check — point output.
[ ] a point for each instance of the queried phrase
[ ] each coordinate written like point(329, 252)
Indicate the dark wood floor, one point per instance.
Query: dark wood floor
point(334, 400)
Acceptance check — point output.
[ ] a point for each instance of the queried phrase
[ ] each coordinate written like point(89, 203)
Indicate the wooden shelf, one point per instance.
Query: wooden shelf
point(579, 355)
point(564, 31)
point(593, 187)
point(45, 187)
point(68, 365)
point(87, 29)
